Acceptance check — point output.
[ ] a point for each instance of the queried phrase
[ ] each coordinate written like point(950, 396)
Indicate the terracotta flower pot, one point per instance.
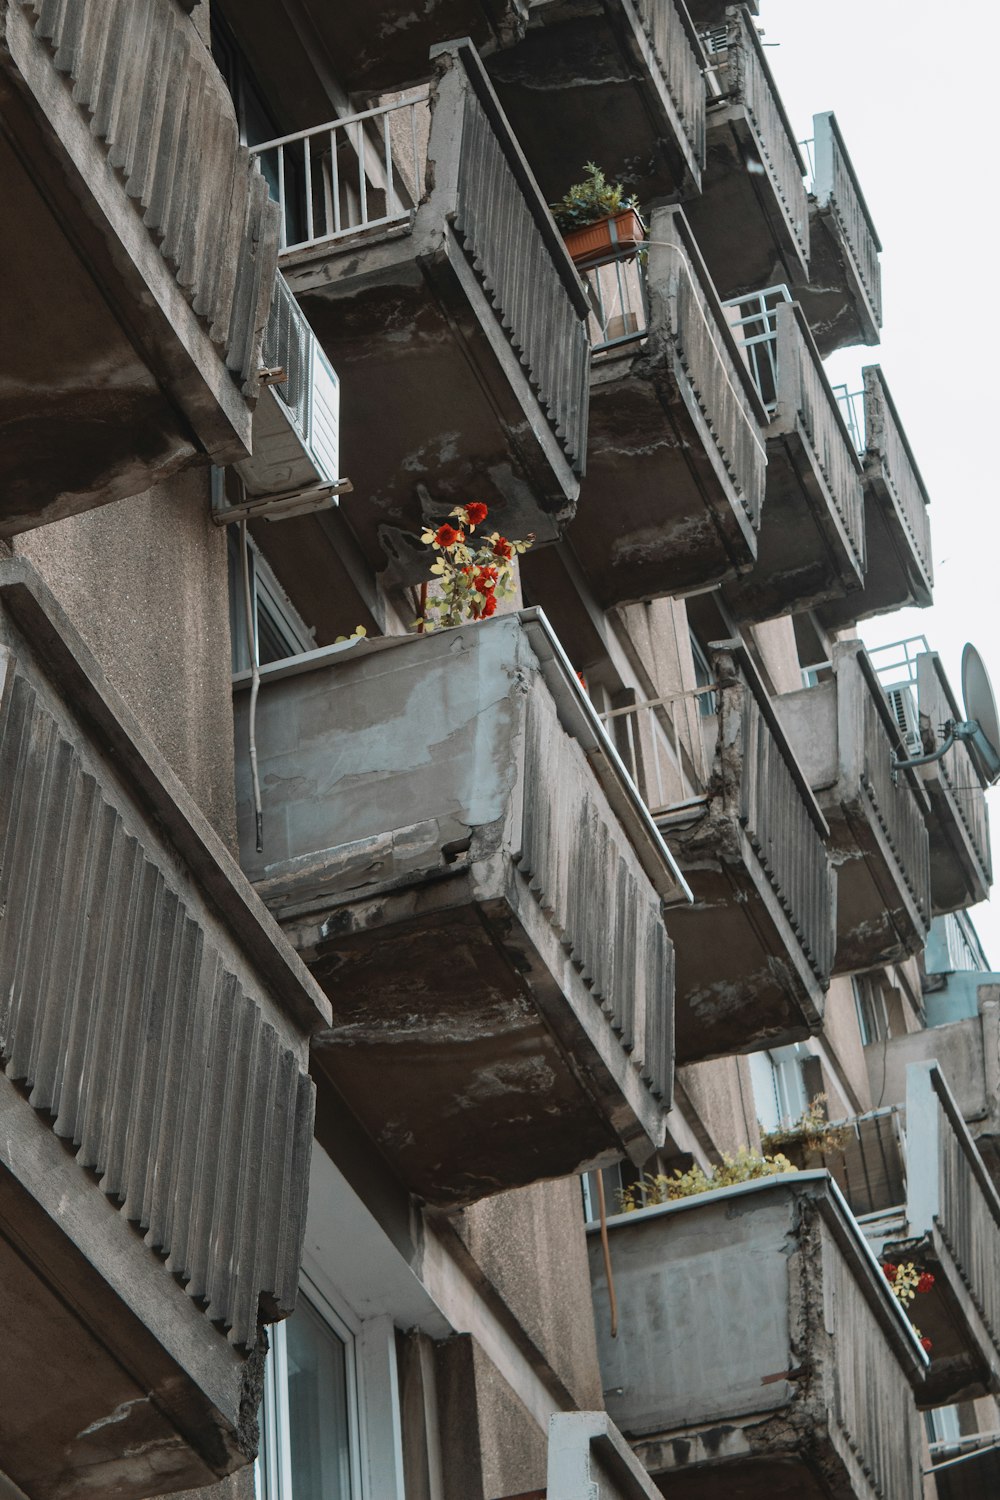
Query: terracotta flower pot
point(596, 242)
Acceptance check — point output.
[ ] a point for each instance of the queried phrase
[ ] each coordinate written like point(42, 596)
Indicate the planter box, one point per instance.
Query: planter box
point(803, 1356)
point(605, 239)
point(483, 909)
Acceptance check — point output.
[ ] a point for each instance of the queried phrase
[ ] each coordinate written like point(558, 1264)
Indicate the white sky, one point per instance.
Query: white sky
point(919, 122)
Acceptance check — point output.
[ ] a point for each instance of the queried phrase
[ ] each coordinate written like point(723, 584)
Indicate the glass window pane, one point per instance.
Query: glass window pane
point(317, 1408)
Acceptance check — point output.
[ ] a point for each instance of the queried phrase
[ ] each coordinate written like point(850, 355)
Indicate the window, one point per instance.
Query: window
point(779, 1087)
point(869, 1003)
point(703, 677)
point(279, 628)
point(943, 1424)
point(309, 1443)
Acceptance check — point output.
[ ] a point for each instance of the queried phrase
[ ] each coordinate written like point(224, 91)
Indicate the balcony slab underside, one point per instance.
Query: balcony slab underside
point(585, 82)
point(742, 979)
point(479, 1024)
point(833, 299)
point(659, 513)
point(960, 877)
point(416, 342)
point(130, 341)
point(804, 555)
point(895, 577)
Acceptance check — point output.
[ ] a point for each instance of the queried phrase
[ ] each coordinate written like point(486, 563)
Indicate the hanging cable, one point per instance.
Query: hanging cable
point(254, 682)
point(602, 1210)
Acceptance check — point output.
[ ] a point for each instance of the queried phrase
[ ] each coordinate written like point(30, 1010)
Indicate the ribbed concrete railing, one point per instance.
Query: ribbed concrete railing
point(836, 188)
point(685, 310)
point(887, 453)
point(674, 43)
point(891, 794)
point(777, 808)
point(514, 247)
point(159, 107)
point(804, 389)
point(138, 1021)
point(935, 699)
point(747, 78)
point(950, 1190)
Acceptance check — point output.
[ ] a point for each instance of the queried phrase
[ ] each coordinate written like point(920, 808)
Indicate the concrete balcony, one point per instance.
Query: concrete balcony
point(752, 218)
point(155, 1109)
point(812, 532)
point(620, 84)
point(842, 296)
point(785, 1396)
point(897, 528)
point(917, 1177)
point(138, 282)
point(846, 740)
point(957, 821)
point(753, 951)
point(430, 269)
point(676, 461)
point(452, 844)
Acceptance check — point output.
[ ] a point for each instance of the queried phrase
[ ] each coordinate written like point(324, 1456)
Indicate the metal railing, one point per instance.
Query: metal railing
point(896, 803)
point(676, 47)
point(311, 389)
point(662, 745)
point(754, 321)
point(619, 312)
point(361, 172)
point(852, 409)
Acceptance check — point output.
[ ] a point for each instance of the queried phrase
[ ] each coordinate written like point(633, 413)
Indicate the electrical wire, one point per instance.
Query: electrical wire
point(254, 683)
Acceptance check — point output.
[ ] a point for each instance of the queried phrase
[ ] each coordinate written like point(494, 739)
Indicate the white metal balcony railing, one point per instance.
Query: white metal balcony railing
point(364, 171)
point(662, 745)
point(754, 323)
point(852, 408)
point(310, 391)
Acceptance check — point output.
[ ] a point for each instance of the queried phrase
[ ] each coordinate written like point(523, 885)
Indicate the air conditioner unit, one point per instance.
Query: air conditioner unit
point(295, 467)
point(903, 702)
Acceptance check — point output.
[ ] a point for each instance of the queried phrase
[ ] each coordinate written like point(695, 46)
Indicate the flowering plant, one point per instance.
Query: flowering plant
point(472, 575)
point(812, 1129)
point(906, 1281)
point(743, 1167)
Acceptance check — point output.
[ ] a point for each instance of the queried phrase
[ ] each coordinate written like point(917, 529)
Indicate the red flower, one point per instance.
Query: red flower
point(447, 536)
point(502, 548)
point(485, 580)
point(926, 1345)
point(490, 606)
point(476, 513)
point(926, 1282)
point(889, 1271)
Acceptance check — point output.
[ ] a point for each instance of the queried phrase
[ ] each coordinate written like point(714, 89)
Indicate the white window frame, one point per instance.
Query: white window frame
point(779, 1090)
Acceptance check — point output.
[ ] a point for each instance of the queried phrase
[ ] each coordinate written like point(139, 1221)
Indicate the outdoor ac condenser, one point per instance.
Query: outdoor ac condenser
point(295, 467)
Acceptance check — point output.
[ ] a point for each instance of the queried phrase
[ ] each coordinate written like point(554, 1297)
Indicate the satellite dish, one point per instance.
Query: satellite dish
point(981, 712)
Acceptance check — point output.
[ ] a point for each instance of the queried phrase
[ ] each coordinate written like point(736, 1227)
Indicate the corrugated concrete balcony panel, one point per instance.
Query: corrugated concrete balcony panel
point(138, 283)
point(842, 295)
point(802, 1385)
point(754, 950)
point(752, 217)
point(676, 464)
point(958, 821)
point(621, 84)
point(483, 909)
point(811, 545)
point(897, 528)
point(709, 13)
point(154, 1033)
point(458, 330)
point(845, 738)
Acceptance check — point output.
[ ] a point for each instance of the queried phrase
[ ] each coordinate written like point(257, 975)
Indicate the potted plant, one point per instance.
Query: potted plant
point(598, 217)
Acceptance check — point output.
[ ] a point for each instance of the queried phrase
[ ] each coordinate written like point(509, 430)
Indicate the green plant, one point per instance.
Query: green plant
point(812, 1128)
point(591, 200)
point(745, 1166)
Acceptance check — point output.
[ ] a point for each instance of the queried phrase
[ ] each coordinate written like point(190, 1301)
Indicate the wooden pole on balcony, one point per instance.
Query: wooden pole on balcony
point(602, 1210)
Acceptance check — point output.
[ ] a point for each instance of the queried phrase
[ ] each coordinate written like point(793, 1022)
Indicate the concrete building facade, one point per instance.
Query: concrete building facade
point(357, 988)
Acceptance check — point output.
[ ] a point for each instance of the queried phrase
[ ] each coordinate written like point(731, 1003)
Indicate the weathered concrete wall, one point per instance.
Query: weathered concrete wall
point(532, 1246)
point(843, 1043)
point(144, 581)
point(775, 640)
point(721, 1095)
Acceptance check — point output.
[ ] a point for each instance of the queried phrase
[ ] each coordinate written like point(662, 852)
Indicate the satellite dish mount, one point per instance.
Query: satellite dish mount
point(979, 730)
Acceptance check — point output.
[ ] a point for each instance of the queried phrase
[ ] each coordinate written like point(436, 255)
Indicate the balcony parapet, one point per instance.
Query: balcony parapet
point(753, 213)
point(424, 246)
point(812, 539)
point(756, 832)
point(842, 296)
point(626, 79)
point(673, 493)
point(746, 1275)
point(126, 129)
point(483, 905)
point(897, 527)
point(845, 737)
point(154, 1030)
